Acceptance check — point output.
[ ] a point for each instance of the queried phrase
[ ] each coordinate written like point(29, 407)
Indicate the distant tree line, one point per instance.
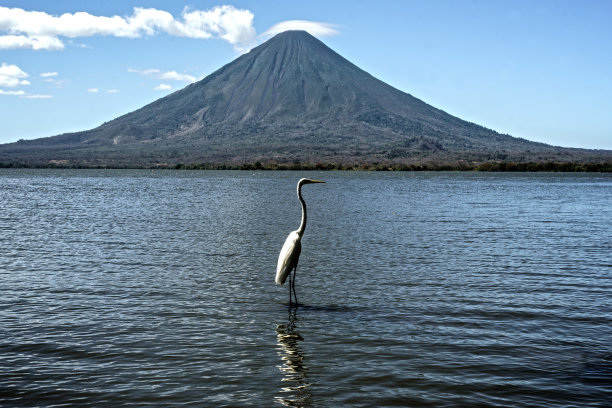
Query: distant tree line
point(500, 166)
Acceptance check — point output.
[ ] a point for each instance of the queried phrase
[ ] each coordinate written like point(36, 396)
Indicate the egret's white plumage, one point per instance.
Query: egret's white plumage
point(290, 253)
point(288, 258)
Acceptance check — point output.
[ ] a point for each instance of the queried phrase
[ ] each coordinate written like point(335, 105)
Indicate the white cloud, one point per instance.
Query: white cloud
point(164, 76)
point(12, 76)
point(92, 90)
point(227, 22)
point(162, 87)
point(8, 42)
point(39, 30)
point(315, 28)
point(112, 91)
point(49, 74)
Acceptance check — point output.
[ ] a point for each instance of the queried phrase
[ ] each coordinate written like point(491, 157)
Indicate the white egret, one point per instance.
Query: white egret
point(290, 254)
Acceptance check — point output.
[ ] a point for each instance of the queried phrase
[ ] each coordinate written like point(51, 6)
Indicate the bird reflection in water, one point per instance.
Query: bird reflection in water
point(296, 392)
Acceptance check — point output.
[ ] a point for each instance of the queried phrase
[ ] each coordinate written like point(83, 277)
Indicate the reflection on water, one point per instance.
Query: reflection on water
point(295, 392)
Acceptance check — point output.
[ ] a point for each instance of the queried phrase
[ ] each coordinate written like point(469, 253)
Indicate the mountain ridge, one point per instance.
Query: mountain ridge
point(291, 99)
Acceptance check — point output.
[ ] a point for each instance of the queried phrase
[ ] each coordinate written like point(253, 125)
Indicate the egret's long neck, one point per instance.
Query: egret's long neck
point(303, 223)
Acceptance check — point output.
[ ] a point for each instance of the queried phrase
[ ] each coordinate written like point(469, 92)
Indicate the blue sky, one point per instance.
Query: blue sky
point(541, 70)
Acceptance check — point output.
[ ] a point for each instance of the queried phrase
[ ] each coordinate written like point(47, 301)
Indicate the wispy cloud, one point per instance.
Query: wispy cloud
point(151, 71)
point(42, 31)
point(58, 83)
point(12, 76)
point(318, 29)
point(37, 96)
point(164, 76)
point(175, 76)
point(52, 78)
point(97, 90)
point(163, 87)
point(17, 93)
point(25, 95)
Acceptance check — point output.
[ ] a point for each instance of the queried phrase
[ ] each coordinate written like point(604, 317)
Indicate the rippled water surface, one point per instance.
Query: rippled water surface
point(419, 289)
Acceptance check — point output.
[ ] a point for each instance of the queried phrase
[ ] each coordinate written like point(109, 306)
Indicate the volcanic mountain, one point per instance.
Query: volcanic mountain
point(290, 100)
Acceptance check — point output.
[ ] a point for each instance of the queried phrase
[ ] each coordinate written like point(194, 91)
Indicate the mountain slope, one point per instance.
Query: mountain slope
point(292, 99)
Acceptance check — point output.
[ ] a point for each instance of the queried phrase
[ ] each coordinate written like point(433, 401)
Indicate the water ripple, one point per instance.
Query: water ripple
point(430, 289)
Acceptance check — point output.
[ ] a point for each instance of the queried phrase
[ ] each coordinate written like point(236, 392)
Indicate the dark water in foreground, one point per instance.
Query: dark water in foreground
point(419, 289)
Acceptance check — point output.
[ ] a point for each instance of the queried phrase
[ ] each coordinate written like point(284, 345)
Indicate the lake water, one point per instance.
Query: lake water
point(122, 287)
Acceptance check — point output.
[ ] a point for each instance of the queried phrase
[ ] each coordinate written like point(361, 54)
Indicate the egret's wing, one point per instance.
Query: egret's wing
point(288, 258)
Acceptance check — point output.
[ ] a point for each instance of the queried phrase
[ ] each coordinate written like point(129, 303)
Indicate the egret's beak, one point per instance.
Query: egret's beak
point(316, 181)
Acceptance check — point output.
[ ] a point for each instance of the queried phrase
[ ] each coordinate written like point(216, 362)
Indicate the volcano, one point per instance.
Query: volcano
point(290, 100)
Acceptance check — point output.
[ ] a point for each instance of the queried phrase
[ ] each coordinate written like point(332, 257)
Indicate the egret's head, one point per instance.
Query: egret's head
point(308, 181)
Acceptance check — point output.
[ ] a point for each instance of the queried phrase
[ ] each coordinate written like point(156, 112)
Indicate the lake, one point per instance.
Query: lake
point(156, 288)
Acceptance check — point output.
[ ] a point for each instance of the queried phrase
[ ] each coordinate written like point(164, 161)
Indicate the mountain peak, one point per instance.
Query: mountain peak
point(286, 38)
point(293, 34)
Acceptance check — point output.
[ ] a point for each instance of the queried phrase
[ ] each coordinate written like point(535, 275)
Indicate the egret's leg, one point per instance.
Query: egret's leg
point(294, 294)
point(289, 290)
